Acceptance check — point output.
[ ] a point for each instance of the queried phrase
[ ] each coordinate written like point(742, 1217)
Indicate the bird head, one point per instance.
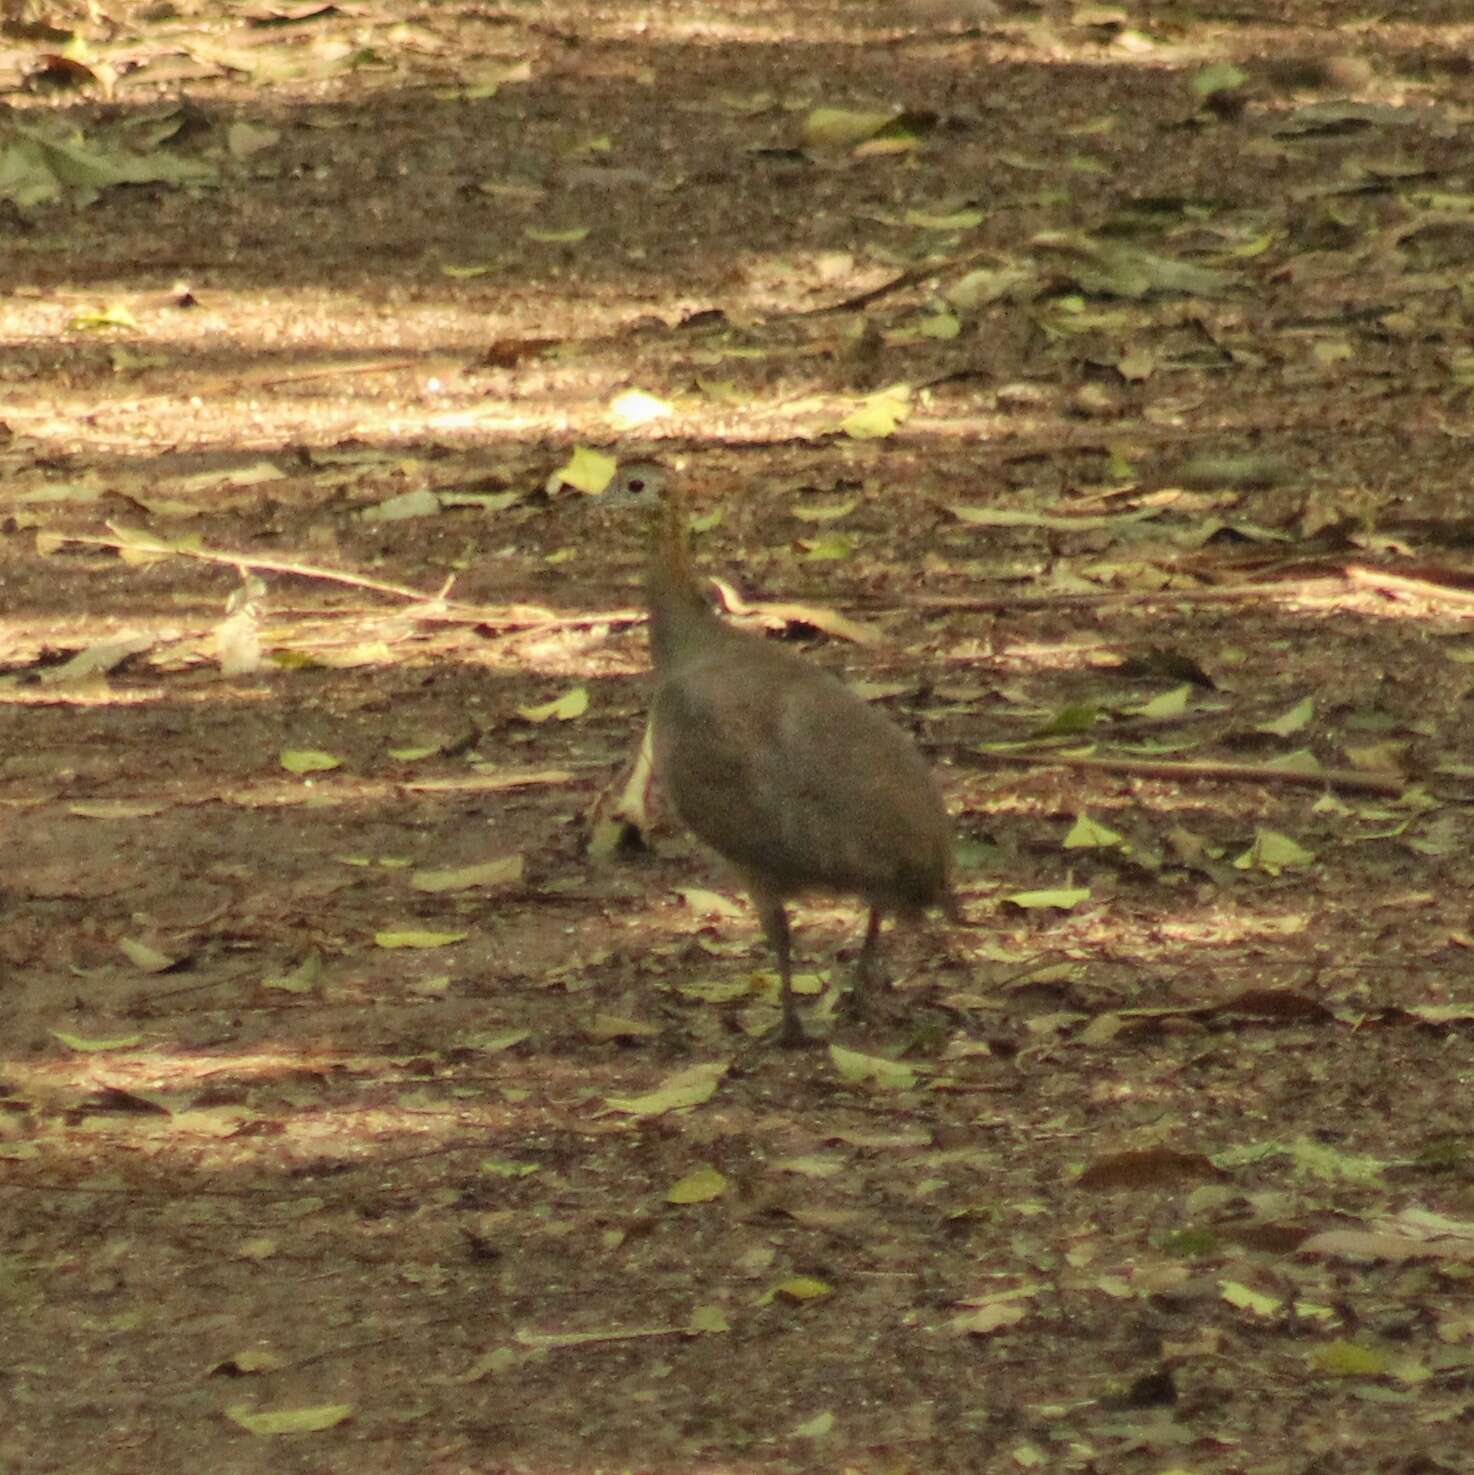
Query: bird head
point(636, 484)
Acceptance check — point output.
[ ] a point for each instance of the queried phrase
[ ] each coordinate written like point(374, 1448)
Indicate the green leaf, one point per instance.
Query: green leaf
point(1077, 718)
point(310, 1420)
point(308, 760)
point(1273, 852)
point(878, 415)
point(301, 980)
point(1290, 722)
point(565, 708)
point(942, 326)
point(958, 220)
point(1218, 76)
point(493, 1044)
point(1086, 834)
point(1063, 899)
point(1343, 1359)
point(413, 939)
point(797, 1288)
point(1247, 1299)
point(709, 1320)
point(466, 878)
point(586, 471)
point(94, 1047)
point(841, 127)
point(145, 958)
point(1318, 1160)
point(984, 286)
point(503, 1167)
point(686, 1088)
point(699, 1186)
point(891, 1074)
point(832, 546)
point(1170, 704)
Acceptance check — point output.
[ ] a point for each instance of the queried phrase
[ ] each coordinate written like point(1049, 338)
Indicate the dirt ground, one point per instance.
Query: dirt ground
point(1091, 384)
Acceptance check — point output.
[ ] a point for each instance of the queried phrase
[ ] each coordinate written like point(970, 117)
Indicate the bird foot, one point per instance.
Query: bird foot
point(791, 1035)
point(782, 1037)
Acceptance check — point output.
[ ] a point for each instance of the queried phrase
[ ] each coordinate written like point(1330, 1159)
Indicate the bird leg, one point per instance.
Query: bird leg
point(775, 928)
point(867, 970)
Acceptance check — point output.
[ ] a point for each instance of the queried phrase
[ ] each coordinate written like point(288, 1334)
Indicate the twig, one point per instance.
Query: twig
point(267, 378)
point(1435, 584)
point(246, 560)
point(1113, 598)
point(437, 606)
point(1213, 772)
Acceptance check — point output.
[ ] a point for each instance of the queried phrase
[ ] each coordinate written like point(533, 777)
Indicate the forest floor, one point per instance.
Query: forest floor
point(1093, 389)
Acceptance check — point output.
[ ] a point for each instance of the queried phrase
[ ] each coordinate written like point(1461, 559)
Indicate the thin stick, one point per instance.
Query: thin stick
point(1419, 586)
point(1213, 772)
point(265, 379)
point(1112, 598)
point(439, 608)
point(246, 560)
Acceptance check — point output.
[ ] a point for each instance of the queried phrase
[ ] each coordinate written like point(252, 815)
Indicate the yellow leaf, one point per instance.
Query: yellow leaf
point(571, 704)
point(689, 1087)
point(114, 809)
point(1087, 833)
point(1292, 721)
point(615, 1027)
point(940, 325)
point(491, 873)
point(145, 958)
point(1065, 899)
point(1273, 852)
point(418, 939)
point(842, 127)
point(1246, 1299)
point(710, 902)
point(853, 1066)
point(958, 220)
point(289, 1420)
point(987, 1319)
point(826, 512)
point(93, 1047)
point(586, 471)
point(1170, 704)
point(301, 980)
point(798, 1288)
point(879, 414)
point(1343, 1359)
point(699, 1186)
point(308, 760)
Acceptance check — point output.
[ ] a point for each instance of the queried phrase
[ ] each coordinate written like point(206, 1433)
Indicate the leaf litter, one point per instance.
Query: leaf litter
point(1240, 990)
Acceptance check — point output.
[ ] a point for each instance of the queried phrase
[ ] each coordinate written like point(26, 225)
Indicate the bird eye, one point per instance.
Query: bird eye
point(636, 484)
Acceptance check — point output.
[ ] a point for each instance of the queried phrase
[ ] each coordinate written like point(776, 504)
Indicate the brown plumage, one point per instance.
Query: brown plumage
point(781, 769)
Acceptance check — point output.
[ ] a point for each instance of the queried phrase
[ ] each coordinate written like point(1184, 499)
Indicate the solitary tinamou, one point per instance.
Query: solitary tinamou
point(794, 780)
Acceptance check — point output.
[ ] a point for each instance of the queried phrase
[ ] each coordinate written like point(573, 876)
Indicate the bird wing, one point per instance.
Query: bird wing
point(796, 781)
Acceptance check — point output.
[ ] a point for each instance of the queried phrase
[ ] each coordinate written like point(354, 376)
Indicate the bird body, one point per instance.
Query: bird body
point(778, 766)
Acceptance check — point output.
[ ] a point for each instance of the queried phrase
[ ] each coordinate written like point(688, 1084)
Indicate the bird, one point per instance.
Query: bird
point(774, 763)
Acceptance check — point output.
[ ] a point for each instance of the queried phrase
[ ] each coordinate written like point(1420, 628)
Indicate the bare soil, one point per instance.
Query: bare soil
point(314, 1158)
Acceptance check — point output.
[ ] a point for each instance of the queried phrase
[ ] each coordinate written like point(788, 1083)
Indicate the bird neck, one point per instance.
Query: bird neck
point(678, 608)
